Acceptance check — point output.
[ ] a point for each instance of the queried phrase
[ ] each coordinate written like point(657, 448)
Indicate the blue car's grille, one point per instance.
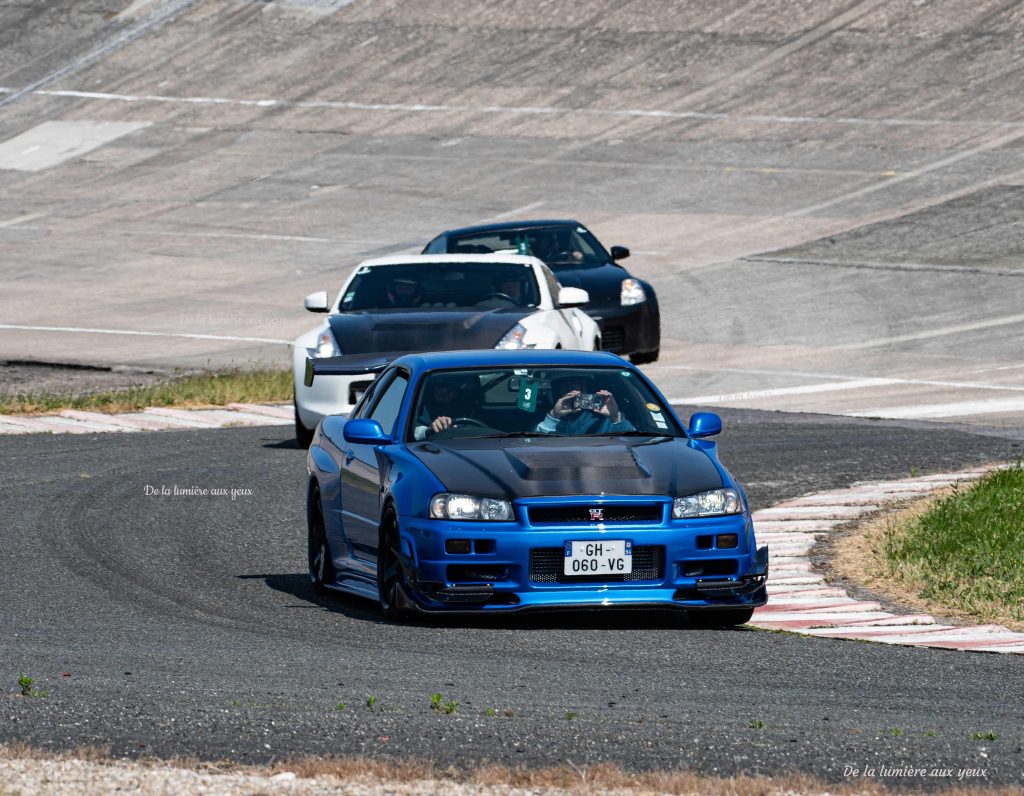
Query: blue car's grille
point(547, 565)
point(581, 514)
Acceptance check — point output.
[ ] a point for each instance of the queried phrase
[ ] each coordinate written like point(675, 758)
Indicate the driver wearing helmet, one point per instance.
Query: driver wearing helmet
point(404, 291)
point(445, 397)
point(555, 246)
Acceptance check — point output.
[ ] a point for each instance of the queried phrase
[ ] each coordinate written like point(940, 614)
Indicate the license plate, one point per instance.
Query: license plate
point(606, 557)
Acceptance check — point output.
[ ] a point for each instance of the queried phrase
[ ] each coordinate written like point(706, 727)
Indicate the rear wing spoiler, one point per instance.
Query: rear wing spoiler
point(353, 365)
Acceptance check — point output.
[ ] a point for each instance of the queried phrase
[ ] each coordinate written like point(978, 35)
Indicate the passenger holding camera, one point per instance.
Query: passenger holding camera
point(578, 413)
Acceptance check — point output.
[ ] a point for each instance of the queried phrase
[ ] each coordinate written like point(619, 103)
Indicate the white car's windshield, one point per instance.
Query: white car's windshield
point(441, 285)
point(559, 401)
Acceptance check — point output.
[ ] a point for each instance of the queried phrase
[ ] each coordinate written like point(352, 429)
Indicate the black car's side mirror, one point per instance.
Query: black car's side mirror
point(619, 252)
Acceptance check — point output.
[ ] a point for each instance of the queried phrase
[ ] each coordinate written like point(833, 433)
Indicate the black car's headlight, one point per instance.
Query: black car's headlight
point(631, 292)
point(447, 506)
point(715, 503)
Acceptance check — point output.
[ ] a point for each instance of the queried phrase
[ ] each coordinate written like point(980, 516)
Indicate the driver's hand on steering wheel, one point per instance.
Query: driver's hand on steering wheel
point(441, 423)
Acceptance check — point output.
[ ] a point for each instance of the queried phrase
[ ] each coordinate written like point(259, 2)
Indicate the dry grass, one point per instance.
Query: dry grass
point(860, 557)
point(496, 779)
point(195, 390)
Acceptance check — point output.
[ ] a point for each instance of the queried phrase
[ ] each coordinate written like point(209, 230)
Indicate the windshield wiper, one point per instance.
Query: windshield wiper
point(516, 434)
point(632, 434)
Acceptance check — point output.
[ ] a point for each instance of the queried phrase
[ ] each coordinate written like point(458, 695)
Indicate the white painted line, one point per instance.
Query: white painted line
point(1009, 320)
point(804, 389)
point(134, 333)
point(963, 409)
point(541, 110)
point(239, 235)
point(804, 374)
point(14, 222)
point(517, 211)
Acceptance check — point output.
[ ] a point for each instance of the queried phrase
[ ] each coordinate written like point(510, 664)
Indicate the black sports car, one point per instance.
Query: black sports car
point(626, 308)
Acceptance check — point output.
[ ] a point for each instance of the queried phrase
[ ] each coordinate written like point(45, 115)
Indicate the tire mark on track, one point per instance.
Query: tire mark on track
point(115, 42)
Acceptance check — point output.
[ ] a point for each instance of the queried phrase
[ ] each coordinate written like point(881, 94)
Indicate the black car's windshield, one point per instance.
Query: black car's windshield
point(558, 401)
point(441, 285)
point(557, 245)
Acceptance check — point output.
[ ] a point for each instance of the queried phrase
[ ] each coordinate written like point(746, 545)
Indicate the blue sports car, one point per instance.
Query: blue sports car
point(500, 481)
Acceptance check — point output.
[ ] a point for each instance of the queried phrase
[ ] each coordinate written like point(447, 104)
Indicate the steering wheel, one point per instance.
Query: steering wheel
point(566, 256)
point(499, 295)
point(468, 421)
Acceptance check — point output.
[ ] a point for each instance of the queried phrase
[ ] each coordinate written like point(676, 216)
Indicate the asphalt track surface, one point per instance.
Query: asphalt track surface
point(827, 196)
point(186, 626)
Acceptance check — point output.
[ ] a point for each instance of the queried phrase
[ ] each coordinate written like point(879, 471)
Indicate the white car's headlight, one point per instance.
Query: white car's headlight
point(707, 504)
point(513, 338)
point(632, 292)
point(447, 506)
point(326, 345)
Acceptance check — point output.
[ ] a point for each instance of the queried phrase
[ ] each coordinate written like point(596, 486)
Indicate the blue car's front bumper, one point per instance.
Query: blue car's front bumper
point(519, 565)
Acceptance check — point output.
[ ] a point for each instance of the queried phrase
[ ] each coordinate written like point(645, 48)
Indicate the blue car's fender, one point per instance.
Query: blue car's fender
point(408, 486)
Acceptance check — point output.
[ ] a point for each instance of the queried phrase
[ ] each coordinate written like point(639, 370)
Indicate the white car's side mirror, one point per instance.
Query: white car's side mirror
point(317, 302)
point(572, 296)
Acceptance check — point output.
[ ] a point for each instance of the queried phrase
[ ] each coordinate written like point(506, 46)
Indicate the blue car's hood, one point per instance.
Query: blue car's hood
point(546, 466)
point(369, 332)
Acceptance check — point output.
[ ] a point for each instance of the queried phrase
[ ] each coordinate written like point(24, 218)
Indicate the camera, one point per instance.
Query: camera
point(587, 402)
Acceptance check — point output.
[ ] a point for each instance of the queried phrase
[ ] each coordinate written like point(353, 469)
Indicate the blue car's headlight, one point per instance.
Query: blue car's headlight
point(447, 506)
point(707, 504)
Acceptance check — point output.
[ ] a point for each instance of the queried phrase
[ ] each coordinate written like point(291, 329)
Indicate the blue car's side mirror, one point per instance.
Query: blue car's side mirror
point(365, 432)
point(705, 424)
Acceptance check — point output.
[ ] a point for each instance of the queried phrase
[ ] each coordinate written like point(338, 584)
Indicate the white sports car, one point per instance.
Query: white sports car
point(434, 302)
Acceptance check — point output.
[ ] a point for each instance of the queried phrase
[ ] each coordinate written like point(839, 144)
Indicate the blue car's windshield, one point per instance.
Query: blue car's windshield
point(441, 285)
point(558, 401)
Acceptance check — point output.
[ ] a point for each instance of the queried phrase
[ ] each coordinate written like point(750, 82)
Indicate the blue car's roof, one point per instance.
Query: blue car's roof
point(486, 358)
point(556, 222)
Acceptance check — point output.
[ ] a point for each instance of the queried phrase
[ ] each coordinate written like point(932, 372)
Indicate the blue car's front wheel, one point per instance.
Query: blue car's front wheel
point(318, 554)
point(390, 573)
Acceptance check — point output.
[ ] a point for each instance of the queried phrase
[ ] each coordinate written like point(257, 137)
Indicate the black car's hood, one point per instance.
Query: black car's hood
point(602, 282)
point(422, 330)
point(546, 466)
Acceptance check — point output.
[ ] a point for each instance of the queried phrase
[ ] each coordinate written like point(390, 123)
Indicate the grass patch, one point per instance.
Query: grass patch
point(207, 388)
point(966, 552)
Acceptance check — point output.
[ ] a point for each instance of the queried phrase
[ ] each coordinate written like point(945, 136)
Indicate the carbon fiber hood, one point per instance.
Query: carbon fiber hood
point(547, 466)
point(422, 330)
point(603, 283)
